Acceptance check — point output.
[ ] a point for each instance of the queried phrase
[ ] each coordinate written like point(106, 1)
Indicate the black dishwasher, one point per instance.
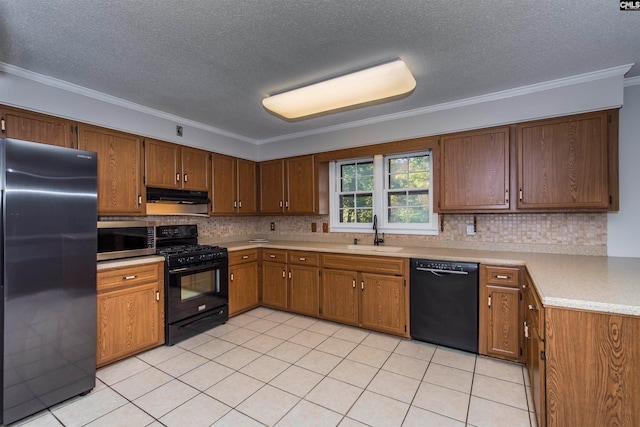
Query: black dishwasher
point(444, 303)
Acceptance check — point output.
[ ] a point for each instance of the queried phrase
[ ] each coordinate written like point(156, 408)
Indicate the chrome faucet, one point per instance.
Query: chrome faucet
point(376, 239)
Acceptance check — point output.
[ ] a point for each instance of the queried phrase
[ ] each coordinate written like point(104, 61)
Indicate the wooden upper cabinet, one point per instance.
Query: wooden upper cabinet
point(295, 185)
point(234, 185)
point(474, 171)
point(170, 165)
point(36, 127)
point(564, 163)
point(120, 189)
point(272, 186)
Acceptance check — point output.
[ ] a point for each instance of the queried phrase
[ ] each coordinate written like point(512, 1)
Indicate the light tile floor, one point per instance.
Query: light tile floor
point(271, 368)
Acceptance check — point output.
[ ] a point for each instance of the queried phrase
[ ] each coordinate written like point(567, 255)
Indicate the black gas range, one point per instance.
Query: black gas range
point(196, 282)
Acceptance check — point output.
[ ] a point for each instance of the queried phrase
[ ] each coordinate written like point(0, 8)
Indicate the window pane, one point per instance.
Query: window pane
point(364, 201)
point(347, 201)
point(398, 165)
point(415, 215)
point(418, 164)
point(397, 215)
point(348, 171)
point(365, 183)
point(365, 215)
point(418, 198)
point(347, 215)
point(397, 181)
point(398, 199)
point(419, 180)
point(348, 184)
point(365, 169)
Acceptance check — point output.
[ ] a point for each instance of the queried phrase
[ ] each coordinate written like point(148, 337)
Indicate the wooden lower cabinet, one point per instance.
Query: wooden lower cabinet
point(243, 281)
point(534, 349)
point(365, 297)
point(274, 285)
point(130, 311)
point(592, 368)
point(500, 313)
point(304, 289)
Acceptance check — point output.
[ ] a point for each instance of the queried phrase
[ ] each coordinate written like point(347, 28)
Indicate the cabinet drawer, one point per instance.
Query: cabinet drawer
point(304, 258)
point(240, 257)
point(504, 276)
point(128, 276)
point(274, 255)
point(371, 264)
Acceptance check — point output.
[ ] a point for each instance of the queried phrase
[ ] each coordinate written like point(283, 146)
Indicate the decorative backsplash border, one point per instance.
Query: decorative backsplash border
point(562, 233)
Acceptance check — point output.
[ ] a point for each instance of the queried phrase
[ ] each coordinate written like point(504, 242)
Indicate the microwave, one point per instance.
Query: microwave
point(122, 239)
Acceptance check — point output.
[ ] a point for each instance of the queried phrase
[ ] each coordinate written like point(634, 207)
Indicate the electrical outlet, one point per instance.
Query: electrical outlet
point(325, 227)
point(273, 226)
point(471, 230)
point(314, 227)
point(178, 130)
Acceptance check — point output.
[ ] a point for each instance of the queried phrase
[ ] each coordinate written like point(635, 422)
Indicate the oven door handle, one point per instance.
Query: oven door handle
point(206, 267)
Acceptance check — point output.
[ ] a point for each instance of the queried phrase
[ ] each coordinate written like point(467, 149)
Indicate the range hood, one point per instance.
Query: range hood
point(162, 201)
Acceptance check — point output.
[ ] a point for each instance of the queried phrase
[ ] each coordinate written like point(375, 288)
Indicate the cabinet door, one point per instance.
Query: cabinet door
point(195, 169)
point(340, 296)
point(382, 303)
point(224, 184)
point(272, 186)
point(301, 185)
point(129, 321)
point(247, 186)
point(162, 164)
point(304, 291)
point(243, 287)
point(536, 367)
point(563, 163)
point(503, 325)
point(474, 170)
point(274, 284)
point(38, 128)
point(119, 169)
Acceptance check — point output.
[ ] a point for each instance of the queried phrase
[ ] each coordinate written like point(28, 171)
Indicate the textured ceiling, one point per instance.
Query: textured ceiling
point(212, 61)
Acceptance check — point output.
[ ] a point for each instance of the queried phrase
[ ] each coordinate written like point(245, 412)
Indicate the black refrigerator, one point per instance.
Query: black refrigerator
point(48, 273)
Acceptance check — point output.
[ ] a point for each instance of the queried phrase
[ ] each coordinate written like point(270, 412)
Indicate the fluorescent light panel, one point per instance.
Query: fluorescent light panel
point(372, 84)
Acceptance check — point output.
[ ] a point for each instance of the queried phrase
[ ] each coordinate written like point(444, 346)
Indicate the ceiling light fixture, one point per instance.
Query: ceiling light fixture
point(371, 84)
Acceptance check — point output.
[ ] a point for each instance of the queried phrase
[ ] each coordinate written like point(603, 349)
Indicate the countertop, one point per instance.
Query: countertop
point(605, 284)
point(128, 262)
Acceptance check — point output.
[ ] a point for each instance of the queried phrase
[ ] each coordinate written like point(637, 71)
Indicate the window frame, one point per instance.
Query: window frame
point(380, 200)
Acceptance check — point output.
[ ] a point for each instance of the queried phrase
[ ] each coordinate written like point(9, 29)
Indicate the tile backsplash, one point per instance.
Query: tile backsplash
point(568, 233)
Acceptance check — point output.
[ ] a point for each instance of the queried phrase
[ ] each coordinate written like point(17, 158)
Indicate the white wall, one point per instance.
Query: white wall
point(73, 103)
point(624, 226)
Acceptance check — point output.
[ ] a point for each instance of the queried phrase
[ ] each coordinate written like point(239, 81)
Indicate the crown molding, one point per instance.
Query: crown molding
point(100, 96)
point(509, 93)
point(632, 81)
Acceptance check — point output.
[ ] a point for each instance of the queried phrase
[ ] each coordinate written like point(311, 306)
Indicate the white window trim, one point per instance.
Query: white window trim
point(379, 204)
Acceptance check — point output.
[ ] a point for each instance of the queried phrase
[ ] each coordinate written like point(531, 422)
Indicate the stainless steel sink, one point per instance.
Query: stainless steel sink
point(373, 248)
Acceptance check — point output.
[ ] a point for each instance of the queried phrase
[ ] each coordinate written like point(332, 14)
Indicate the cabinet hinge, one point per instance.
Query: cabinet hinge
point(143, 142)
point(609, 118)
point(520, 351)
point(319, 272)
point(144, 179)
point(405, 285)
point(543, 355)
point(520, 294)
point(405, 328)
point(2, 128)
point(610, 199)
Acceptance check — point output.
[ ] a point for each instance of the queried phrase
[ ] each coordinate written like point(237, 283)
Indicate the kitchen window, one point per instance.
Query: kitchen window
point(396, 188)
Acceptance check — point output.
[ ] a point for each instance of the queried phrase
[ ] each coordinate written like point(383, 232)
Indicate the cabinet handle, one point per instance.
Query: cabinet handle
point(489, 302)
point(284, 274)
point(157, 295)
point(185, 177)
point(506, 196)
point(235, 203)
point(521, 194)
point(289, 275)
point(129, 277)
point(302, 259)
point(362, 285)
point(526, 329)
point(353, 282)
point(3, 129)
point(177, 177)
point(502, 276)
point(272, 256)
point(240, 204)
point(533, 307)
point(245, 256)
point(139, 200)
point(286, 204)
point(231, 277)
point(280, 203)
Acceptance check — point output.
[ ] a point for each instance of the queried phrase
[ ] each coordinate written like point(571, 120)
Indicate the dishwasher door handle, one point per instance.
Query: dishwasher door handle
point(439, 272)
